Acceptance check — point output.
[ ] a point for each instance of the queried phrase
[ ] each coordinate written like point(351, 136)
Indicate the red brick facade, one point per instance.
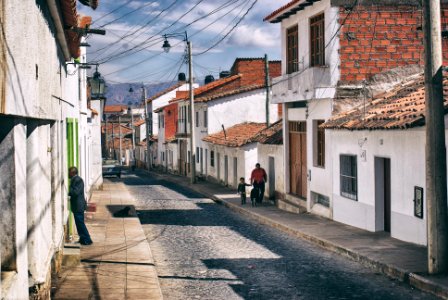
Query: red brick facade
point(253, 70)
point(170, 114)
point(376, 39)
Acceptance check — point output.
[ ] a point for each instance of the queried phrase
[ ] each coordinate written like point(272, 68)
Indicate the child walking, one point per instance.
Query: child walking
point(242, 190)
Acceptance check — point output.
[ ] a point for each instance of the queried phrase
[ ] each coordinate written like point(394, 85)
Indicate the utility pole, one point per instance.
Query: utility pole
point(436, 187)
point(268, 89)
point(148, 132)
point(192, 117)
point(119, 128)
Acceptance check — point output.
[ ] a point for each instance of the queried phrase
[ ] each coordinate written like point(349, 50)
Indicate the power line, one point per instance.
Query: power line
point(230, 31)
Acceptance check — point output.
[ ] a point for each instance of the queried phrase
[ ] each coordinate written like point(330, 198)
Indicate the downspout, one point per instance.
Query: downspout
point(54, 11)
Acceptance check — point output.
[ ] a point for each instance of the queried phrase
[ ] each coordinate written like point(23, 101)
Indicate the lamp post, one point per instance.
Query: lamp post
point(166, 47)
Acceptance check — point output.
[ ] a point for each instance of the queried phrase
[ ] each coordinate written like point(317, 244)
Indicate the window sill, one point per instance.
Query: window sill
point(319, 167)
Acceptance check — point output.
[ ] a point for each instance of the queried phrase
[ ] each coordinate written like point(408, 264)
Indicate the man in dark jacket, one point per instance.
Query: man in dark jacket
point(78, 205)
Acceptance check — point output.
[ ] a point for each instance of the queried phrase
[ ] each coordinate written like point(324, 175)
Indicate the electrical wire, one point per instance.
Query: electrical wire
point(230, 31)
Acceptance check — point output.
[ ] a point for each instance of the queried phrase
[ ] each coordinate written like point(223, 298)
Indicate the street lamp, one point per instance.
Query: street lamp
point(98, 85)
point(166, 47)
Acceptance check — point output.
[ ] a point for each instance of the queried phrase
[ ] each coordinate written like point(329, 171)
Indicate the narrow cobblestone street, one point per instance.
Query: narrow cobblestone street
point(203, 250)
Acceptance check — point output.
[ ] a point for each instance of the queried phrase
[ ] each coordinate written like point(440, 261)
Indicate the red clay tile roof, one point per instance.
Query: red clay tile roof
point(115, 108)
point(402, 107)
point(139, 123)
point(273, 135)
point(162, 108)
point(171, 140)
point(237, 135)
point(116, 129)
point(165, 91)
point(209, 87)
point(221, 94)
point(281, 9)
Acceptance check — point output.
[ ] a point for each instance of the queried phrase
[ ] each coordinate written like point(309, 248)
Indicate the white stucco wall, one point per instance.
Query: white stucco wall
point(40, 86)
point(162, 101)
point(265, 152)
point(309, 82)
point(96, 177)
point(246, 159)
point(406, 151)
point(240, 108)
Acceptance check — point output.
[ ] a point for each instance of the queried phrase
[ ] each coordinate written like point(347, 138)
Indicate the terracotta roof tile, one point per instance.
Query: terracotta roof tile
point(165, 91)
point(273, 135)
point(115, 108)
point(221, 94)
point(139, 123)
point(237, 135)
point(116, 129)
point(281, 9)
point(402, 107)
point(209, 87)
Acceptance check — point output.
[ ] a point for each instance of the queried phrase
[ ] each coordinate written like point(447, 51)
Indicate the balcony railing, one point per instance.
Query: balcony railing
point(308, 84)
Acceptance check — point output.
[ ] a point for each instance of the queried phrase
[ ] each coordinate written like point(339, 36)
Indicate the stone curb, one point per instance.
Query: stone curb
point(391, 271)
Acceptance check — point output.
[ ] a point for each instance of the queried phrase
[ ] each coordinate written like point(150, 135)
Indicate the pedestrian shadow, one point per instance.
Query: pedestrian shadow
point(178, 217)
point(122, 211)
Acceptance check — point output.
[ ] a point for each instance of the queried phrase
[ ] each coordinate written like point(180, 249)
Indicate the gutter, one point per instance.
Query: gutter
point(60, 35)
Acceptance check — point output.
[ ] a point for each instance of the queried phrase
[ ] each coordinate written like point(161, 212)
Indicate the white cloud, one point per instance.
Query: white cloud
point(252, 36)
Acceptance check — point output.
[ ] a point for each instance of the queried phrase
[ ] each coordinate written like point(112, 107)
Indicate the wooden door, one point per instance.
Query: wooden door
point(183, 157)
point(271, 178)
point(297, 159)
point(226, 170)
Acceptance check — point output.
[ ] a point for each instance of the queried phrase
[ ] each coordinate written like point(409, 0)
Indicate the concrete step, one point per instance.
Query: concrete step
point(290, 207)
point(72, 255)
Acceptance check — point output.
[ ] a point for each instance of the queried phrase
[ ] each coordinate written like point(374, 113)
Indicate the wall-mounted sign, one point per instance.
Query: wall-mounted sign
point(418, 202)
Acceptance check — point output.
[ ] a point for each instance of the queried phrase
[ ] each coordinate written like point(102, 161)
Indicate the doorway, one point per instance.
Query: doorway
point(202, 160)
point(297, 159)
point(271, 178)
point(382, 194)
point(226, 170)
point(235, 172)
point(218, 163)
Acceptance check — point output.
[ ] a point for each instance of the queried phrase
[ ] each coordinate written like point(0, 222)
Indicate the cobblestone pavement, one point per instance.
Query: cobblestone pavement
point(203, 250)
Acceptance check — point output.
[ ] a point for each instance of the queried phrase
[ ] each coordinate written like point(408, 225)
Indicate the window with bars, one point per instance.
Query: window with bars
point(349, 176)
point(197, 119)
point(317, 40)
point(212, 158)
point(319, 152)
point(292, 48)
point(205, 119)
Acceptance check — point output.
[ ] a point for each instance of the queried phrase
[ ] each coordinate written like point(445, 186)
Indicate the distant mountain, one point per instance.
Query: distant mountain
point(119, 93)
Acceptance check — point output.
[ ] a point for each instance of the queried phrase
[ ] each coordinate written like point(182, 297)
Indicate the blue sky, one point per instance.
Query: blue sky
point(131, 51)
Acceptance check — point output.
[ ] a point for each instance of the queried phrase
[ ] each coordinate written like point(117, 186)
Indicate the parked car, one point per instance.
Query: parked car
point(111, 168)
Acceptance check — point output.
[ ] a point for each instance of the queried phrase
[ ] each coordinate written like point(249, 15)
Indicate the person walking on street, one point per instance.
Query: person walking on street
point(258, 179)
point(78, 205)
point(242, 190)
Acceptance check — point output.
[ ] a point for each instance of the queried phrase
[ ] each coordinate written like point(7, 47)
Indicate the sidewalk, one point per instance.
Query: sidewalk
point(400, 260)
point(119, 264)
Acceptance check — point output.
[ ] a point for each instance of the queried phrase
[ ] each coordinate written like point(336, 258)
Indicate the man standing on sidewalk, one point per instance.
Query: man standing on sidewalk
point(78, 205)
point(258, 179)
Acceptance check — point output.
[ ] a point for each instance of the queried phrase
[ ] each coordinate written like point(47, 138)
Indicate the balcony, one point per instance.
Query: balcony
point(182, 129)
point(307, 84)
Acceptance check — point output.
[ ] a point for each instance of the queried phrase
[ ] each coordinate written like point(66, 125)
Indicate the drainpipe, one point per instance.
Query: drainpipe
point(60, 34)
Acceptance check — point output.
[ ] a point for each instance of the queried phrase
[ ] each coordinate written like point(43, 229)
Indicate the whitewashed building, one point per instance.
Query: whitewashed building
point(336, 54)
point(378, 165)
point(43, 108)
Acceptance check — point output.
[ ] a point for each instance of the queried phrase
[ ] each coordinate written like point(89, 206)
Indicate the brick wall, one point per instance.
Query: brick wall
point(379, 38)
point(170, 113)
point(253, 70)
